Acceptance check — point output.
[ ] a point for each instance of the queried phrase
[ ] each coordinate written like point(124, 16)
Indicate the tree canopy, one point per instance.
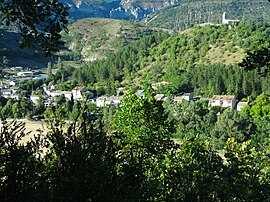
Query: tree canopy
point(39, 21)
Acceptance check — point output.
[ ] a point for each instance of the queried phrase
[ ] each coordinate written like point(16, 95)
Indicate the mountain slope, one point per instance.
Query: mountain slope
point(188, 13)
point(93, 39)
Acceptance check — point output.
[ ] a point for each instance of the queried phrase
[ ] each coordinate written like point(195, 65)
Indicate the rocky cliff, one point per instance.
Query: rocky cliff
point(117, 9)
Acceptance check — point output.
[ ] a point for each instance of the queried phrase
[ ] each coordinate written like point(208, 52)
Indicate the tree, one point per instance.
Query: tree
point(143, 138)
point(232, 124)
point(80, 159)
point(192, 173)
point(40, 22)
point(21, 168)
point(258, 59)
point(5, 60)
point(16, 110)
point(49, 71)
point(246, 172)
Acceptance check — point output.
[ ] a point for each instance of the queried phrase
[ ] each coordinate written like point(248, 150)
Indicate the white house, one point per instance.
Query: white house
point(78, 92)
point(16, 68)
point(140, 93)
point(25, 74)
point(34, 99)
point(6, 92)
point(185, 96)
point(106, 101)
point(227, 21)
point(13, 83)
point(115, 100)
point(223, 101)
point(160, 97)
point(100, 102)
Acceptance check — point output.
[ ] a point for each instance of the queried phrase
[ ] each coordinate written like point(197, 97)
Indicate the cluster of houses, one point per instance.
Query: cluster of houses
point(9, 90)
point(224, 101)
point(9, 87)
point(51, 95)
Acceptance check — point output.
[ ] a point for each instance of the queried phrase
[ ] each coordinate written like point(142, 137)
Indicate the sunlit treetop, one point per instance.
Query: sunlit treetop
point(40, 22)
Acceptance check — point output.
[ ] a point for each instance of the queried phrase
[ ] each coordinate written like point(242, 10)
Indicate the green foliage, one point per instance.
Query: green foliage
point(20, 166)
point(135, 159)
point(247, 171)
point(260, 107)
point(232, 124)
point(143, 139)
point(40, 22)
point(80, 155)
point(193, 173)
point(258, 59)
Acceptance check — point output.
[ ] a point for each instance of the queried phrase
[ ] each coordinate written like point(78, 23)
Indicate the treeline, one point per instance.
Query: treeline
point(134, 158)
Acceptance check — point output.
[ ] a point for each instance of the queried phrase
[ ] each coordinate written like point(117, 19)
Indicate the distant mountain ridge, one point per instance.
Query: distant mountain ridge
point(117, 9)
point(188, 13)
point(171, 14)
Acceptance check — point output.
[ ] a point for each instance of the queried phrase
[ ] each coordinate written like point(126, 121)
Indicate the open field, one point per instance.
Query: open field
point(34, 127)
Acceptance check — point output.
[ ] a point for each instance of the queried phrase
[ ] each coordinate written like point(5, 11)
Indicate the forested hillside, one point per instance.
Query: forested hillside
point(203, 59)
point(191, 12)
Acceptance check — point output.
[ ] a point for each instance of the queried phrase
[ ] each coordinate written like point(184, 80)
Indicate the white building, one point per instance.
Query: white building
point(34, 99)
point(185, 96)
point(160, 97)
point(223, 101)
point(25, 74)
point(16, 68)
point(107, 101)
point(100, 102)
point(141, 93)
point(227, 21)
point(78, 92)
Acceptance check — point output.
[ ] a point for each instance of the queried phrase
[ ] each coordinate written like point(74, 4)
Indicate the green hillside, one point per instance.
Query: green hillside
point(93, 39)
point(190, 12)
point(203, 59)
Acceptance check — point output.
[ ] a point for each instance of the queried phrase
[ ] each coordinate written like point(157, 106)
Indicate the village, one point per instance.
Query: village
point(9, 89)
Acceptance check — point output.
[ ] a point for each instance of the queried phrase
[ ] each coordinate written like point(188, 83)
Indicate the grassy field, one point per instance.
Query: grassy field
point(34, 127)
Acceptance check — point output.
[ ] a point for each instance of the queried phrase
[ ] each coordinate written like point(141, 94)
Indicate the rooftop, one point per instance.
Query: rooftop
point(223, 97)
